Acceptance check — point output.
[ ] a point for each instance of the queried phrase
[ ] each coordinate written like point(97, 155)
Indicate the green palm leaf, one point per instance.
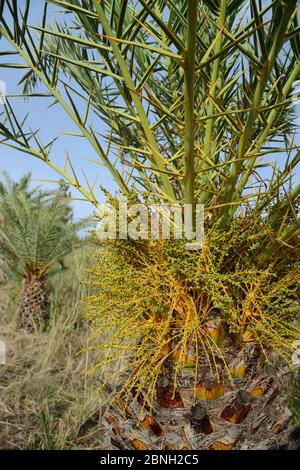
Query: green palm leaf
point(195, 98)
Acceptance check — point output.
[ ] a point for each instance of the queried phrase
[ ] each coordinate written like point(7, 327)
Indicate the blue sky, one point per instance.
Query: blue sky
point(51, 122)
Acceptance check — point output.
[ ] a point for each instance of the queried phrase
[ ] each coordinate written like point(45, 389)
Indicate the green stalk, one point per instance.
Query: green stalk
point(212, 89)
point(166, 184)
point(189, 102)
point(277, 42)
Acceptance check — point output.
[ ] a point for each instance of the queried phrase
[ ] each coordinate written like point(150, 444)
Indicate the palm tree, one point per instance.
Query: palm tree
point(196, 103)
point(34, 239)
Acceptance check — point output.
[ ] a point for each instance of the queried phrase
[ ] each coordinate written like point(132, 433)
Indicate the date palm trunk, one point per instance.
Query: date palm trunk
point(34, 304)
point(247, 411)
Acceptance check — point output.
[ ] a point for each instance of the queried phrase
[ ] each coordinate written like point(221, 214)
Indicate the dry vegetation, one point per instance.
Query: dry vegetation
point(45, 401)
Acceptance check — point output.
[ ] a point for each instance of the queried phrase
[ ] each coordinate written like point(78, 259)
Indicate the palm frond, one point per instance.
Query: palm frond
point(195, 99)
point(36, 230)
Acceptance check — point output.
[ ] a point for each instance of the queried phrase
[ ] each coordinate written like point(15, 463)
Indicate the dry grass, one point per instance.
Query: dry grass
point(45, 401)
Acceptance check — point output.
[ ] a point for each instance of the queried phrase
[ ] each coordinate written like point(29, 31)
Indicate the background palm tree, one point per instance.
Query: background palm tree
point(36, 233)
point(196, 98)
